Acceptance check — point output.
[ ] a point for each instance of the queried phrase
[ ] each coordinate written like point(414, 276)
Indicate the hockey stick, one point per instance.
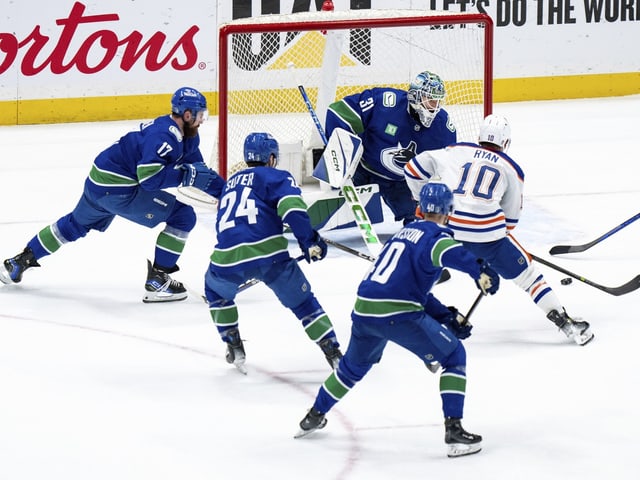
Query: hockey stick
point(559, 249)
point(253, 281)
point(473, 307)
point(628, 287)
point(313, 114)
point(433, 367)
point(350, 250)
point(444, 276)
point(348, 189)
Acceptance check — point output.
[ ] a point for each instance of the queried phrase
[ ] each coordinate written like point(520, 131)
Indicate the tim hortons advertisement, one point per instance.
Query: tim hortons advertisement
point(140, 48)
point(102, 48)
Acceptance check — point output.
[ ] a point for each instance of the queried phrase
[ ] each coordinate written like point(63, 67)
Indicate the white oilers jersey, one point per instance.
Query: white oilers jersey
point(487, 188)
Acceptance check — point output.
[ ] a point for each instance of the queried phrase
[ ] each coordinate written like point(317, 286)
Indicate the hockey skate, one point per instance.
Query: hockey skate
point(577, 331)
point(331, 352)
point(314, 420)
point(460, 442)
point(11, 269)
point(235, 350)
point(160, 287)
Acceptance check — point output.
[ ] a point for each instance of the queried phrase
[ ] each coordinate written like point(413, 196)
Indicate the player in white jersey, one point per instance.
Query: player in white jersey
point(487, 188)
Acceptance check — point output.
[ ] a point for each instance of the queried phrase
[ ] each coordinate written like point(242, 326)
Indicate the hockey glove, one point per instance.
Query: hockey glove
point(316, 250)
point(488, 281)
point(197, 175)
point(457, 323)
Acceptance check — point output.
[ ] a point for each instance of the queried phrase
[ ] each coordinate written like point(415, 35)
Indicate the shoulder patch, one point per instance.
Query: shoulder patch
point(389, 99)
point(176, 132)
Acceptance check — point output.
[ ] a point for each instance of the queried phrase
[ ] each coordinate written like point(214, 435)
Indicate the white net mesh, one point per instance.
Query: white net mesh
point(263, 69)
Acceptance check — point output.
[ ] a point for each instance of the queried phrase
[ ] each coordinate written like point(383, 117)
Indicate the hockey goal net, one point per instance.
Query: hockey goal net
point(262, 60)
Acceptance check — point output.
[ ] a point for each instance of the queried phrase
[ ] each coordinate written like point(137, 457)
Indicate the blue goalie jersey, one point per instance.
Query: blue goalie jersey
point(390, 136)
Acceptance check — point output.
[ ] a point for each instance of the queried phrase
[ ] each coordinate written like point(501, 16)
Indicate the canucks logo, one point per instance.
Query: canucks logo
point(395, 158)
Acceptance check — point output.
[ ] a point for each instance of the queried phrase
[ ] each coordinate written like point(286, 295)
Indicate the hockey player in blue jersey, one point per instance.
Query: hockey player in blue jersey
point(128, 180)
point(255, 205)
point(394, 304)
point(394, 125)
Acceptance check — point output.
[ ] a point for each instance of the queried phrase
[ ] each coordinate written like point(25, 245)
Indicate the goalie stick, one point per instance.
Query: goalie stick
point(354, 144)
point(623, 289)
point(444, 276)
point(559, 249)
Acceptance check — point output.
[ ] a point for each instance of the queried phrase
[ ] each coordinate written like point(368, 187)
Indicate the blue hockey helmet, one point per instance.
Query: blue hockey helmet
point(426, 93)
point(187, 98)
point(258, 148)
point(436, 197)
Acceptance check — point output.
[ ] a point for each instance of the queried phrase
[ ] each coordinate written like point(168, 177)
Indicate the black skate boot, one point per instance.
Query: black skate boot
point(314, 420)
point(331, 351)
point(235, 350)
point(459, 441)
point(577, 331)
point(11, 269)
point(160, 287)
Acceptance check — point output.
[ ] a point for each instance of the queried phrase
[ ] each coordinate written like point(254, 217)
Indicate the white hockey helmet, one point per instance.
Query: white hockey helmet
point(495, 130)
point(425, 95)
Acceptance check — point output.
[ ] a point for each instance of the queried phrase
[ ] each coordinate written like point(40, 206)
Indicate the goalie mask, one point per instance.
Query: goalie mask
point(496, 131)
point(187, 98)
point(436, 197)
point(425, 95)
point(258, 148)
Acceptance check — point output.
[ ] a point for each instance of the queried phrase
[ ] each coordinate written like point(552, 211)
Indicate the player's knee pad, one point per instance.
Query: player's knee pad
point(527, 278)
point(350, 373)
point(182, 217)
point(70, 229)
point(457, 360)
point(309, 308)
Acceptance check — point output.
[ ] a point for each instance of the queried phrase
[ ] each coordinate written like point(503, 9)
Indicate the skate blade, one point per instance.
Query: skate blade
point(462, 449)
point(241, 368)
point(160, 297)
point(303, 433)
point(585, 338)
point(4, 275)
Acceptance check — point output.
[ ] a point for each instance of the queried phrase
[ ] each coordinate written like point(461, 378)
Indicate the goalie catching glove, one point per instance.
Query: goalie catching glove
point(314, 250)
point(198, 175)
point(488, 281)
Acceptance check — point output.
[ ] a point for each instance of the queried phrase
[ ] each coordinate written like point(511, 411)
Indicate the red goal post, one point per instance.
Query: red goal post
point(262, 60)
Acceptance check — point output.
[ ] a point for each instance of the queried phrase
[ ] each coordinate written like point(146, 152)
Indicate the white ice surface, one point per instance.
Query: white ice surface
point(94, 384)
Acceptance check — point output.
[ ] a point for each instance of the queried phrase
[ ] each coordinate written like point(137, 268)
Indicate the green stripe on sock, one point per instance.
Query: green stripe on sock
point(48, 240)
point(170, 243)
point(453, 383)
point(318, 328)
point(226, 316)
point(333, 386)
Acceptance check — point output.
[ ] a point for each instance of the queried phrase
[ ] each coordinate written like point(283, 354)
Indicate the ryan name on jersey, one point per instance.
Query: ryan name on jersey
point(486, 155)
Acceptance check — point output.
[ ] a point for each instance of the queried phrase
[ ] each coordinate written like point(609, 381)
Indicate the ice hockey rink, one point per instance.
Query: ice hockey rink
point(97, 385)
